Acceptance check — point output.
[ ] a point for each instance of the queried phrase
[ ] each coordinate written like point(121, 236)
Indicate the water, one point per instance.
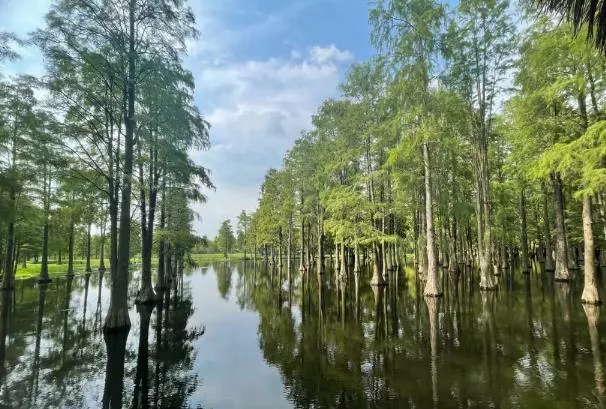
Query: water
point(231, 337)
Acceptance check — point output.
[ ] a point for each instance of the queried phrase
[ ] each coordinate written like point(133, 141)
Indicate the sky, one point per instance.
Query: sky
point(262, 68)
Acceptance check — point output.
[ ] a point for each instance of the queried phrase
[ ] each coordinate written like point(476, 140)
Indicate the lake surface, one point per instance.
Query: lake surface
point(229, 336)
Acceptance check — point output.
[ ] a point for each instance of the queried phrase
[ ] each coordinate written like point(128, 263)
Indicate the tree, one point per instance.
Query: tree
point(225, 238)
point(116, 46)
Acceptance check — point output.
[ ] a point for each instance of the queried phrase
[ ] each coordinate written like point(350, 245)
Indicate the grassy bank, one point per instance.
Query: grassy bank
point(32, 270)
point(202, 258)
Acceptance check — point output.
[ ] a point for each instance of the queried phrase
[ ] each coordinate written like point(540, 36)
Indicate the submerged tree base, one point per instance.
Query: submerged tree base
point(44, 280)
point(116, 321)
point(146, 296)
point(591, 296)
point(378, 281)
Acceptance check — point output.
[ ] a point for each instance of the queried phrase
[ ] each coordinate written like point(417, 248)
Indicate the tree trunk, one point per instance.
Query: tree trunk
point(343, 264)
point(117, 314)
point(161, 282)
point(561, 268)
point(44, 264)
point(590, 291)
point(431, 286)
point(88, 269)
point(549, 263)
point(70, 250)
point(377, 276)
point(320, 244)
point(302, 266)
point(524, 263)
point(289, 248)
point(7, 277)
point(102, 249)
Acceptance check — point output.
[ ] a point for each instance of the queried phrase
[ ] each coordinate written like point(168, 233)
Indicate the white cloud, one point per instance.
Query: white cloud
point(257, 109)
point(322, 55)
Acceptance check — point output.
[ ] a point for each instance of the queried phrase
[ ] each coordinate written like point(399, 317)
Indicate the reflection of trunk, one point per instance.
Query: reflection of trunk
point(590, 291)
point(593, 314)
point(379, 312)
point(524, 265)
point(4, 324)
point(86, 283)
point(158, 347)
point(431, 287)
point(357, 295)
point(141, 392)
point(36, 363)
point(489, 338)
point(561, 267)
point(68, 296)
point(432, 309)
point(115, 343)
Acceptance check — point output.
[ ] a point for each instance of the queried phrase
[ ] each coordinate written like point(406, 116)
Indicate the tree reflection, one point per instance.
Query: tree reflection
point(141, 392)
point(174, 353)
point(115, 345)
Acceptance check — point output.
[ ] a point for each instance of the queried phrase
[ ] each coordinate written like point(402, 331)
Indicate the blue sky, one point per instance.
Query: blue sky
point(262, 67)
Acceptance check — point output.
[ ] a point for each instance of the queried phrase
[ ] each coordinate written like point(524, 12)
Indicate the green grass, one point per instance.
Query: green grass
point(32, 270)
point(201, 258)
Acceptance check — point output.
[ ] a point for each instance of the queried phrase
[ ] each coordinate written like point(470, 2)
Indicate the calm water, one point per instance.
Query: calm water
point(232, 337)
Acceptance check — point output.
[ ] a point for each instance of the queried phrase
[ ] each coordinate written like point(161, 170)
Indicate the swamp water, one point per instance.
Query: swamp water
point(228, 336)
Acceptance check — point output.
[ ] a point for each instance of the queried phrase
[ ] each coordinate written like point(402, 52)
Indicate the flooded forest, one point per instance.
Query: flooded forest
point(435, 236)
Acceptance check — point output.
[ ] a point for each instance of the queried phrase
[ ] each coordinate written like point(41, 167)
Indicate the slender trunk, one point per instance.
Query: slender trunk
point(88, 269)
point(70, 249)
point(320, 243)
point(377, 276)
point(302, 261)
point(343, 266)
point(561, 268)
point(524, 264)
point(590, 291)
point(7, 277)
point(162, 245)
point(46, 203)
point(288, 249)
point(102, 250)
point(117, 314)
point(431, 286)
point(549, 263)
